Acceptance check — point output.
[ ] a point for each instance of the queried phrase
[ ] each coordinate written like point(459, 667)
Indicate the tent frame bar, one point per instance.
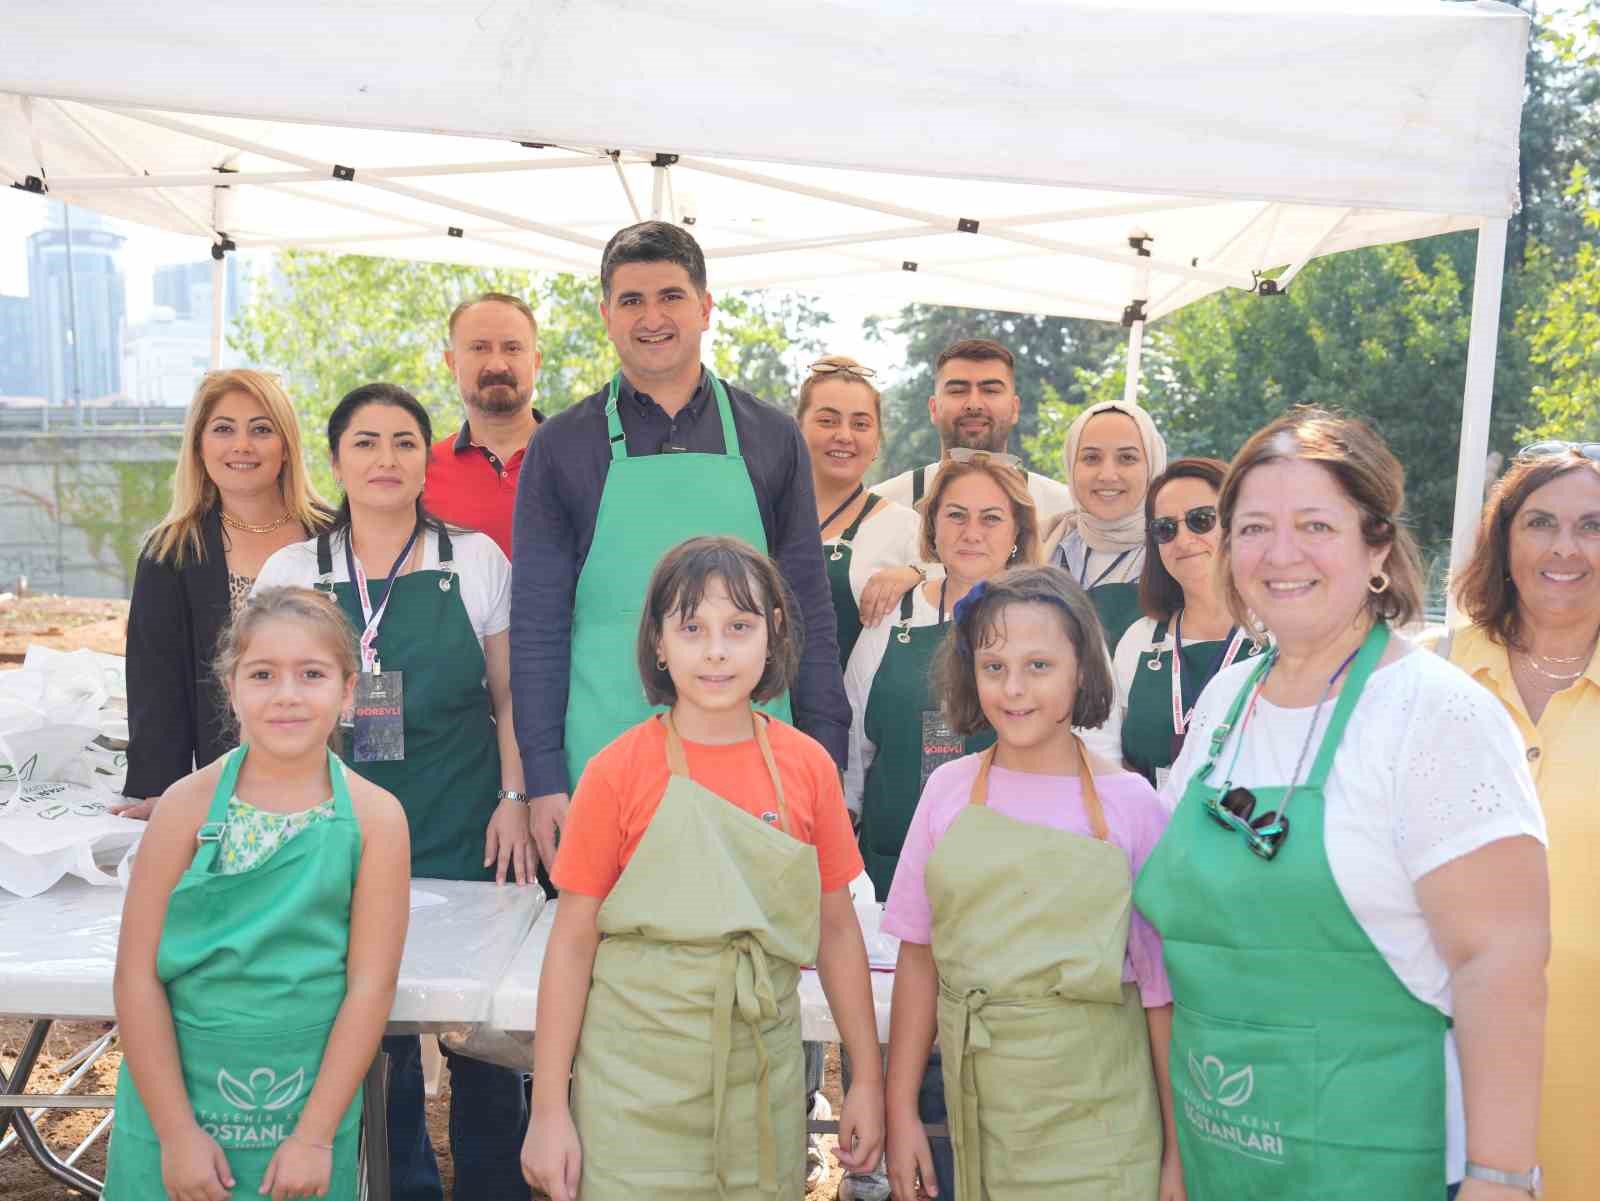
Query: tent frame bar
point(107, 183)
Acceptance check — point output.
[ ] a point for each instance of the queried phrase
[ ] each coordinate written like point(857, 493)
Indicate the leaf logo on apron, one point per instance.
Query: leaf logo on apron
point(1210, 1078)
point(263, 1091)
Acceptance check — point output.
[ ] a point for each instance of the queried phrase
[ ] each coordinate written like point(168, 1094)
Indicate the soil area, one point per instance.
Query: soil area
point(67, 623)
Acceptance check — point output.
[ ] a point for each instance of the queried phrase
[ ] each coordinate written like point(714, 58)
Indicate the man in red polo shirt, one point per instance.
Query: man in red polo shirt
point(494, 355)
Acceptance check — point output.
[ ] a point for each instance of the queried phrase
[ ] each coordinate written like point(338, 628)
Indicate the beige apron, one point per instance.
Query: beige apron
point(1047, 1070)
point(688, 1080)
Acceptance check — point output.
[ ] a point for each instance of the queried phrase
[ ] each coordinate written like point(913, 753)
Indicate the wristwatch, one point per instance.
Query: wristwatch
point(511, 794)
point(1531, 1183)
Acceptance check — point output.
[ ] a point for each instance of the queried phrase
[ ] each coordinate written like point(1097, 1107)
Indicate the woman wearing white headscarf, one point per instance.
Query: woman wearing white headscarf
point(1112, 453)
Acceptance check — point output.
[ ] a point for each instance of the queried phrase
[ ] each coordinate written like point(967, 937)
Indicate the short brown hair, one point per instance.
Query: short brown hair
point(976, 350)
point(515, 302)
point(1010, 480)
point(842, 363)
point(1366, 471)
point(976, 625)
point(754, 584)
point(1160, 596)
point(1486, 591)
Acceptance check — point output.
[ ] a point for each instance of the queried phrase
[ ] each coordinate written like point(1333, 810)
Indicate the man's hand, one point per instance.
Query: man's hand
point(546, 815)
point(884, 590)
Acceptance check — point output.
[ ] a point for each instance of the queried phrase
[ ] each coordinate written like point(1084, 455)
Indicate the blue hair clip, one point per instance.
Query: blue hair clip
point(965, 604)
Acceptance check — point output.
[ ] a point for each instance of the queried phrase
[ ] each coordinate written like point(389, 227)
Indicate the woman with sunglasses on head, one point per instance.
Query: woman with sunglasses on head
point(1113, 451)
point(1186, 635)
point(841, 418)
point(1532, 591)
point(1351, 893)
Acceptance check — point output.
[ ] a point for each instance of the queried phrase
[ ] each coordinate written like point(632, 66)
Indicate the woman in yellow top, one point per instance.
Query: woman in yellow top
point(1532, 591)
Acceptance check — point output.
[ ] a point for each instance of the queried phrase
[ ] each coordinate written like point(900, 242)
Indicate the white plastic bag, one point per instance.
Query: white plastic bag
point(50, 830)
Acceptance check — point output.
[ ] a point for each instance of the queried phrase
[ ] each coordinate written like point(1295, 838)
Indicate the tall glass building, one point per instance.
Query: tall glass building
point(91, 303)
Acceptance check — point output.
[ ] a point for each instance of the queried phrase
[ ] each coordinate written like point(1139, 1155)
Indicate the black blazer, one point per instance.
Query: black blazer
point(178, 718)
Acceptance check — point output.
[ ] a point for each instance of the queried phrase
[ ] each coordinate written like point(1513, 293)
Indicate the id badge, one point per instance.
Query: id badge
point(380, 718)
point(1163, 774)
point(940, 744)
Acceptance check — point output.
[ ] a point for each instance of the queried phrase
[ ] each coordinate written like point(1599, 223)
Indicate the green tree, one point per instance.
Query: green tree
point(1562, 328)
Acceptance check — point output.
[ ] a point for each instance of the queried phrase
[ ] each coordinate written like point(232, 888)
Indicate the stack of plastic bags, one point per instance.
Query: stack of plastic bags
point(63, 735)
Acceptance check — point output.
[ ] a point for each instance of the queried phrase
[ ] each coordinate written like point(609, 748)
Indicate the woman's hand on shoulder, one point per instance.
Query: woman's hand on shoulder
point(884, 591)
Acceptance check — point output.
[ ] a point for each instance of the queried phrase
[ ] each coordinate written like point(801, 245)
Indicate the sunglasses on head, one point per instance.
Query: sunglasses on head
point(967, 454)
point(1537, 450)
point(1235, 810)
point(856, 369)
point(1201, 519)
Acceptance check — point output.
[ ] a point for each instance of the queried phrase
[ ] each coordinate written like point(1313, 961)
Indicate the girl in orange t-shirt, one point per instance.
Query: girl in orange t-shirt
point(706, 858)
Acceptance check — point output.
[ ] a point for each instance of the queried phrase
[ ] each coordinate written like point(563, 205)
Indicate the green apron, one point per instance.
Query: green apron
point(1150, 740)
point(688, 1081)
point(254, 969)
point(904, 723)
point(649, 504)
point(1116, 605)
point(846, 614)
point(1047, 1071)
point(449, 781)
point(1301, 1066)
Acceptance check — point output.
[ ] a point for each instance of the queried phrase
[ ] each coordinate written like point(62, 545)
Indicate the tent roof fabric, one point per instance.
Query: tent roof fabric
point(995, 156)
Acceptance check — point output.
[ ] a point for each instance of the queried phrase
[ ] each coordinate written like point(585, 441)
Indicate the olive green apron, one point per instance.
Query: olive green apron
point(449, 781)
point(904, 723)
point(1301, 1066)
point(649, 504)
point(254, 969)
point(688, 1081)
point(1150, 740)
point(1047, 1071)
point(846, 613)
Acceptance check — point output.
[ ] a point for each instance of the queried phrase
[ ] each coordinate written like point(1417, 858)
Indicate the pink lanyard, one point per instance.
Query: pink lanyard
point(1180, 717)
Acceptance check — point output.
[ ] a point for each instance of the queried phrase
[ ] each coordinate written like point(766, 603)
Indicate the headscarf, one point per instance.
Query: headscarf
point(1113, 537)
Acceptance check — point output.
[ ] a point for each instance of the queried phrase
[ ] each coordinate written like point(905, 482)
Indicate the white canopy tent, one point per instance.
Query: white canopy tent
point(1104, 160)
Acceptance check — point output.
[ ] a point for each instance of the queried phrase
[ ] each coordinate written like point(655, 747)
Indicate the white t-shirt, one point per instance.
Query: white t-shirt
point(1050, 497)
point(867, 657)
point(1430, 769)
point(889, 537)
point(483, 574)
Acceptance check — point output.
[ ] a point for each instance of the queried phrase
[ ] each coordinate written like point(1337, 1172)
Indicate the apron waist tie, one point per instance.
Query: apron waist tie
point(963, 1038)
point(744, 984)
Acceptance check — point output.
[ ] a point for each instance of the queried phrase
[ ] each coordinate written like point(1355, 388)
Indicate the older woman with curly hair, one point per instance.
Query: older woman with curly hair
point(1532, 591)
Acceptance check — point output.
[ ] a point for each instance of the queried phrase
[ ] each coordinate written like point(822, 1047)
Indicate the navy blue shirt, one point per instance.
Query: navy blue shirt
point(558, 500)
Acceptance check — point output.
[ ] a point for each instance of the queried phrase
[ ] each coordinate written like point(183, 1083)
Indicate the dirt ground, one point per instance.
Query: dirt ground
point(23, 1180)
point(67, 623)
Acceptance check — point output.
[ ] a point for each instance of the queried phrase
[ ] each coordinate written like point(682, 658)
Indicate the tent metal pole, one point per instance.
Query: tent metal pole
point(658, 192)
point(1482, 340)
point(1140, 241)
point(1130, 387)
point(219, 306)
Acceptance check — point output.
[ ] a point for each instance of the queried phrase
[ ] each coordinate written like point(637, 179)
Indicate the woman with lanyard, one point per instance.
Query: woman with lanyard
point(1532, 591)
point(239, 493)
point(841, 419)
point(1352, 892)
point(1112, 452)
point(1159, 674)
point(432, 724)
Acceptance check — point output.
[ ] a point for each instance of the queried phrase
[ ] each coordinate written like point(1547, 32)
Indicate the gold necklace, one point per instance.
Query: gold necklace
point(229, 520)
point(1561, 680)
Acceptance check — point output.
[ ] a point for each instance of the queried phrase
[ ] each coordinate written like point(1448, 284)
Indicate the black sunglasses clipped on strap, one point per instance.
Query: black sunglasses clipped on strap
point(1201, 519)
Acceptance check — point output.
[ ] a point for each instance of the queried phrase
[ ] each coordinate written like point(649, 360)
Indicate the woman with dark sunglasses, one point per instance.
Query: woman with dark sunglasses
point(1186, 635)
point(1352, 892)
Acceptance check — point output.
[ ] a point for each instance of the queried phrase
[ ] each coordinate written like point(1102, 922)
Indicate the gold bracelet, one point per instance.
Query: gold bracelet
point(319, 1146)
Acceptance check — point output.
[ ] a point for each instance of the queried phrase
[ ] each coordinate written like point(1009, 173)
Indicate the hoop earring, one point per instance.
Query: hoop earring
point(1013, 553)
point(1378, 584)
point(661, 664)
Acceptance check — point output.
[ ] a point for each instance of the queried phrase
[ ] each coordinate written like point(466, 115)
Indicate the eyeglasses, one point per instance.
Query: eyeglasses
point(1537, 450)
point(824, 367)
point(967, 454)
point(1201, 519)
point(1235, 810)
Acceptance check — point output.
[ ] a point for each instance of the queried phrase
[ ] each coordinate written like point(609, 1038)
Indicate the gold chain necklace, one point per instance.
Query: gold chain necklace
point(235, 523)
point(1561, 680)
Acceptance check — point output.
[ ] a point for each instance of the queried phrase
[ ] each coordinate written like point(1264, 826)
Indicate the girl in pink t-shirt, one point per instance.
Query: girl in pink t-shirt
point(1020, 947)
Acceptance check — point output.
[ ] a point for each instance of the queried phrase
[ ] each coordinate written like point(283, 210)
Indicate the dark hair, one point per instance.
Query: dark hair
point(1486, 590)
point(976, 350)
point(977, 626)
point(1367, 472)
point(678, 584)
point(1160, 596)
point(515, 302)
point(653, 242)
point(394, 396)
point(1009, 480)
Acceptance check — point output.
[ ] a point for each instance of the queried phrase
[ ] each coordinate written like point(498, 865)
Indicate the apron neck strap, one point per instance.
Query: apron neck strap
point(342, 805)
point(854, 527)
point(1091, 795)
point(1366, 660)
point(209, 835)
point(619, 441)
point(324, 582)
point(1219, 734)
point(678, 761)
